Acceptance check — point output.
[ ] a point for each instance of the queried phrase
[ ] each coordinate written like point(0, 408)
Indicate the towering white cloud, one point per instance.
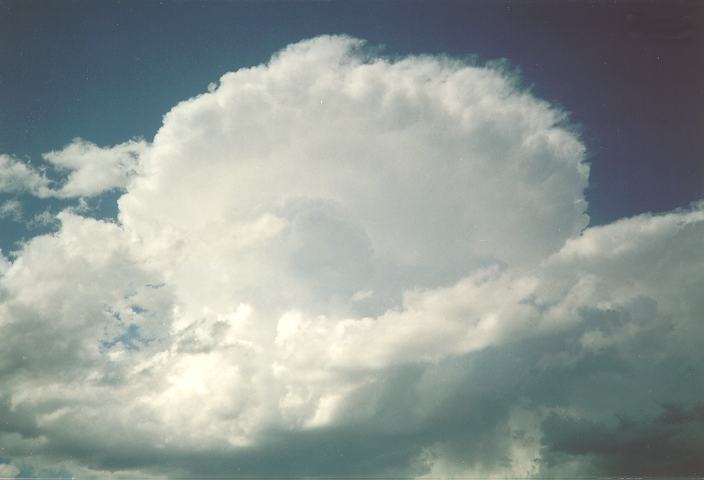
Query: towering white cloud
point(336, 251)
point(378, 175)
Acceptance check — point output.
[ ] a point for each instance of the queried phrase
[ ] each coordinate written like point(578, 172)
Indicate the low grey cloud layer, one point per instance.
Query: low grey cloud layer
point(337, 263)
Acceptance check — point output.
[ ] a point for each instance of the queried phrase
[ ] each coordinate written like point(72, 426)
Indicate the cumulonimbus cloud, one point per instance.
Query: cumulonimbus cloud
point(341, 251)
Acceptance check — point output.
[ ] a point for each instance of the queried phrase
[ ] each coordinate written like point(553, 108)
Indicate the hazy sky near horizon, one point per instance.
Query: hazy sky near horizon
point(415, 239)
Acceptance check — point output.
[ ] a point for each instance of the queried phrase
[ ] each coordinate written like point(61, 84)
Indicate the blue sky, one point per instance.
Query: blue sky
point(416, 238)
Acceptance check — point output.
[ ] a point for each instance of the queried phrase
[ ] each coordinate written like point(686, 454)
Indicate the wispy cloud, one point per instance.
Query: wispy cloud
point(11, 209)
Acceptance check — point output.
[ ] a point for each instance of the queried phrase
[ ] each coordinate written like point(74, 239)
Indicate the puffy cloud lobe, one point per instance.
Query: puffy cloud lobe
point(439, 166)
point(17, 177)
point(334, 253)
point(92, 170)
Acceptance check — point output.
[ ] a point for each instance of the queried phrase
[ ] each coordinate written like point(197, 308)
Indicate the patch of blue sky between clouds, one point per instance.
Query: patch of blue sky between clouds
point(26, 211)
point(37, 216)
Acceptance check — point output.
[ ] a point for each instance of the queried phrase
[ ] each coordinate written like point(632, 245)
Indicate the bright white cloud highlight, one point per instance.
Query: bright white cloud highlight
point(386, 175)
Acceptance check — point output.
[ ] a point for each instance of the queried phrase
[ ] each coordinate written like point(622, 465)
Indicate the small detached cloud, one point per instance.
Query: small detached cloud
point(340, 264)
point(18, 177)
point(93, 170)
point(90, 170)
point(11, 209)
